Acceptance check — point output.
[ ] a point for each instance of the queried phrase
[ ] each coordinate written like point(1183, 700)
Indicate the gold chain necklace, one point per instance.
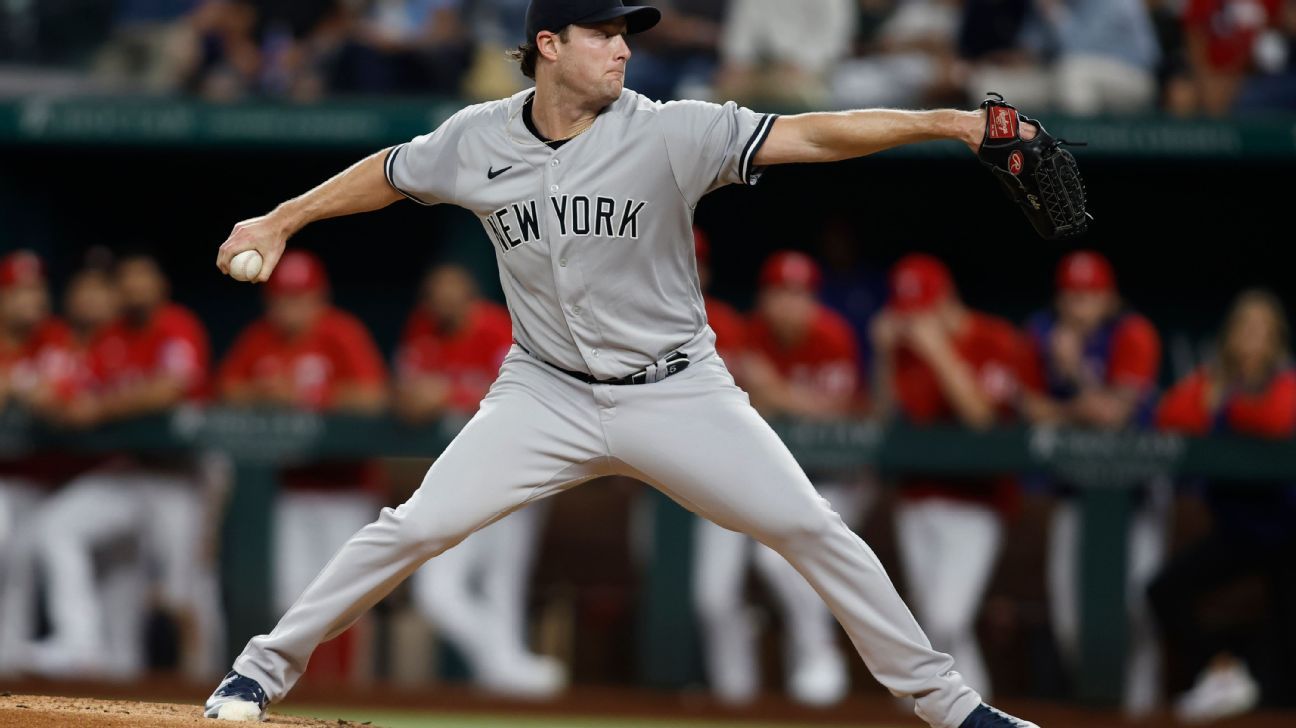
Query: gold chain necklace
point(532, 141)
point(586, 127)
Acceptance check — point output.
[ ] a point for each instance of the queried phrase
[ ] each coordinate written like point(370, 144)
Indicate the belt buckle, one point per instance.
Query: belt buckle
point(668, 366)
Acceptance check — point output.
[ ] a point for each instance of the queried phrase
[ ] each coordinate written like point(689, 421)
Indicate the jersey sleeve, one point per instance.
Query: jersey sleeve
point(408, 360)
point(915, 389)
point(1012, 349)
point(183, 354)
point(1135, 356)
point(56, 363)
point(501, 341)
point(842, 365)
point(710, 146)
point(426, 168)
point(844, 345)
point(1030, 367)
point(358, 358)
point(1269, 414)
point(1183, 408)
point(238, 363)
point(729, 327)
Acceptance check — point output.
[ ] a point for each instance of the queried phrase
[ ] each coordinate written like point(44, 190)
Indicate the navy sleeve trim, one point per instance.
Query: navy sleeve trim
point(751, 175)
point(388, 168)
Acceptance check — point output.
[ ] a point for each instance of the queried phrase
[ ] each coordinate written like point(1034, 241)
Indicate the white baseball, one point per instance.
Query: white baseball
point(245, 266)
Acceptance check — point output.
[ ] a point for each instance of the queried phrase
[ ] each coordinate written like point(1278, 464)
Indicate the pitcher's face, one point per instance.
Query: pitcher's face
point(593, 61)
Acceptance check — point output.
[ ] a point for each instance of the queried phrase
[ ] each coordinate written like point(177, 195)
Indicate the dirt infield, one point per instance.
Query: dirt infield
point(582, 705)
point(34, 711)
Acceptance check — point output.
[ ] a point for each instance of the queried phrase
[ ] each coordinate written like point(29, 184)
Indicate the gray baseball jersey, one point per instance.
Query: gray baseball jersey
point(594, 242)
point(594, 239)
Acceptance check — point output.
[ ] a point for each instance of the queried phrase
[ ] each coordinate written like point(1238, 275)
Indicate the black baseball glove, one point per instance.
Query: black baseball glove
point(1038, 174)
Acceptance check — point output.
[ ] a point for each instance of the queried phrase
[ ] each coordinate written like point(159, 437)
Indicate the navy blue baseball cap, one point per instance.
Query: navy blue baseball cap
point(554, 15)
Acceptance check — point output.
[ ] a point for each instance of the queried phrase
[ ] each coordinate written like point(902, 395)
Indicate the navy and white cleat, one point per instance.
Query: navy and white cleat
point(986, 717)
point(237, 698)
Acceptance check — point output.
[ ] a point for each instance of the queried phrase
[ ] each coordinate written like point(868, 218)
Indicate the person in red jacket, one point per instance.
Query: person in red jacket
point(1248, 390)
point(476, 593)
point(939, 362)
point(800, 360)
point(451, 349)
point(150, 360)
point(91, 303)
point(34, 344)
point(35, 375)
point(1099, 362)
point(307, 354)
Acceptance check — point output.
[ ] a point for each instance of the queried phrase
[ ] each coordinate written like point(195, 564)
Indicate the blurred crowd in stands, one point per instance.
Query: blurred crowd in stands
point(111, 537)
point(1082, 57)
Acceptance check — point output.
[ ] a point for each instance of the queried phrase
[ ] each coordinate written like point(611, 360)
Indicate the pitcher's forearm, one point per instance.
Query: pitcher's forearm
point(858, 133)
point(362, 187)
point(831, 137)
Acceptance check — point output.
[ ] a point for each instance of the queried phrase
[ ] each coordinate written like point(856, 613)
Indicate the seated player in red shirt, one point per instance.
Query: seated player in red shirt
point(307, 354)
point(150, 360)
point(800, 360)
point(1099, 362)
point(35, 374)
point(476, 593)
point(939, 362)
point(1248, 389)
point(451, 348)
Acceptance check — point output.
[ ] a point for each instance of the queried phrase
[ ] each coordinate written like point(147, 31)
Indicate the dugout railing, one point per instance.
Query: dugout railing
point(1103, 465)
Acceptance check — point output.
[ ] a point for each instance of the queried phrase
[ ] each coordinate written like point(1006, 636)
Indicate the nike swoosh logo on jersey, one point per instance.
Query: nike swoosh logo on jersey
point(492, 174)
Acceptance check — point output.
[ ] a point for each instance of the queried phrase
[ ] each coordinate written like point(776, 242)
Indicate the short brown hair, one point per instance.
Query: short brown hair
point(528, 54)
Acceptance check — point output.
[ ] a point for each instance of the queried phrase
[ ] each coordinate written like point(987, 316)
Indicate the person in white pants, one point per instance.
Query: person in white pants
point(937, 362)
point(801, 360)
point(476, 593)
point(1100, 363)
point(35, 373)
point(152, 359)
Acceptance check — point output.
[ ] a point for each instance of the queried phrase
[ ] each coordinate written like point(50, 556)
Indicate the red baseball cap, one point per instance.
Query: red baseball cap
point(298, 272)
point(21, 267)
point(790, 268)
point(918, 283)
point(1085, 270)
point(701, 246)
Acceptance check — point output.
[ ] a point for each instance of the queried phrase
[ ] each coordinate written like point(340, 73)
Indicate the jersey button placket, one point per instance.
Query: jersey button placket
point(568, 284)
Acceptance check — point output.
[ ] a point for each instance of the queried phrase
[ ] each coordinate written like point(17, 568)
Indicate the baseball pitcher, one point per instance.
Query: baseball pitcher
point(587, 190)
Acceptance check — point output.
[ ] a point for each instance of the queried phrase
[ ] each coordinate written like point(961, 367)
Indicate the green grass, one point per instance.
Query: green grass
point(386, 719)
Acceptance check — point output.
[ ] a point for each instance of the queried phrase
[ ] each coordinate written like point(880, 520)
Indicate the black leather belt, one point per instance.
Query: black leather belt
point(669, 365)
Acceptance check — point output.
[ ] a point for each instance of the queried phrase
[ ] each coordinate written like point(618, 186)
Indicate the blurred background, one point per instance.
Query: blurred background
point(1097, 516)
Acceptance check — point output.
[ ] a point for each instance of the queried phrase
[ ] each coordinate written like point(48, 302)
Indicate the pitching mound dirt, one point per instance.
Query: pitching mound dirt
point(33, 711)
